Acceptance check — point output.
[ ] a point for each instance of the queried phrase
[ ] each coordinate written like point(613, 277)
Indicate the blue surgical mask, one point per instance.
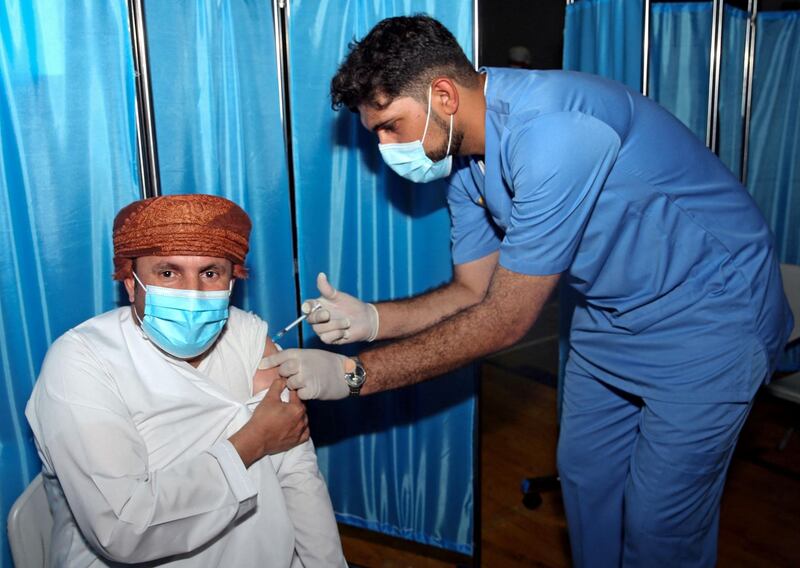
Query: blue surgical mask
point(409, 160)
point(184, 323)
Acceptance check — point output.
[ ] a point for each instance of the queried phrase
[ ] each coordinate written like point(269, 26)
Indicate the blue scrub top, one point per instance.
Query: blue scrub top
point(679, 289)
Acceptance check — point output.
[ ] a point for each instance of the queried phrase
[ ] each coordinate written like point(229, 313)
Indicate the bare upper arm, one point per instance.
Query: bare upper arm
point(264, 377)
point(475, 276)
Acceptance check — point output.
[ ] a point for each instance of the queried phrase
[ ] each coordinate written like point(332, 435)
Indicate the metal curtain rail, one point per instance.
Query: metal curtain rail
point(715, 68)
point(646, 48)
point(280, 22)
point(146, 147)
point(747, 83)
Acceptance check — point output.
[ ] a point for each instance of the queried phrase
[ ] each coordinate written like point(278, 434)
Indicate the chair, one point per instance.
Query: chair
point(29, 527)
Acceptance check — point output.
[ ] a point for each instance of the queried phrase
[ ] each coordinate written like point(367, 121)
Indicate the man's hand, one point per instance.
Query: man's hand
point(313, 373)
point(275, 426)
point(342, 318)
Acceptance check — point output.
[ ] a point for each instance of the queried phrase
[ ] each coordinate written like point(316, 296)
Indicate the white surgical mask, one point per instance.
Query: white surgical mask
point(409, 159)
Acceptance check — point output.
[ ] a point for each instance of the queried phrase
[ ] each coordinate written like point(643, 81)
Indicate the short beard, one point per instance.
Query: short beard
point(441, 152)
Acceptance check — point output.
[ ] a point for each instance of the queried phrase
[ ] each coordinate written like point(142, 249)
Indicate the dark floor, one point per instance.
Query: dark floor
point(760, 523)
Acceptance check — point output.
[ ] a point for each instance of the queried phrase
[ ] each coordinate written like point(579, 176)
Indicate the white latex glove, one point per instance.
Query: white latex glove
point(342, 318)
point(313, 373)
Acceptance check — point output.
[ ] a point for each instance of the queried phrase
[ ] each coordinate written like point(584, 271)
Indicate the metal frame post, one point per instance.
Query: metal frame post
point(280, 22)
point(147, 149)
point(646, 49)
point(747, 83)
point(715, 68)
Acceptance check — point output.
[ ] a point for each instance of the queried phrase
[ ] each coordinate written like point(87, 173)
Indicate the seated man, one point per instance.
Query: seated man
point(142, 415)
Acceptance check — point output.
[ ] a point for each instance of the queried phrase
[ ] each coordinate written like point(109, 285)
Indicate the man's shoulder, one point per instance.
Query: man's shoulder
point(112, 317)
point(245, 327)
point(73, 360)
point(239, 318)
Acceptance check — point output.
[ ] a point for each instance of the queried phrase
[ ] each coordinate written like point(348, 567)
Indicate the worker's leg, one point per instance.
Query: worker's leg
point(598, 431)
point(672, 496)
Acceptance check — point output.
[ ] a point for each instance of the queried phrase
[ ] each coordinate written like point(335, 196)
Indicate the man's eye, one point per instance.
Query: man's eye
point(210, 274)
point(166, 274)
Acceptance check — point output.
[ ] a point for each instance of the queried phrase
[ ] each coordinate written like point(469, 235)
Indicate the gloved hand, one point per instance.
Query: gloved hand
point(313, 373)
point(342, 318)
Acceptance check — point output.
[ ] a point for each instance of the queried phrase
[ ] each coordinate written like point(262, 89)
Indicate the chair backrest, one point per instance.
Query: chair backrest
point(29, 527)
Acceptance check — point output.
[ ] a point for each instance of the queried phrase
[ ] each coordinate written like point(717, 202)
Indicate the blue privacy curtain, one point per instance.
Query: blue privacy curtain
point(67, 164)
point(679, 68)
point(399, 462)
point(604, 37)
point(679, 60)
point(774, 163)
point(219, 131)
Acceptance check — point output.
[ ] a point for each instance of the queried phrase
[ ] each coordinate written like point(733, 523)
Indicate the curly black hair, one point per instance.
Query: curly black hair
point(399, 56)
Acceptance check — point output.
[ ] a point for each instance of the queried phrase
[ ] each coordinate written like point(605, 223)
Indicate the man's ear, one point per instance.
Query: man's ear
point(130, 287)
point(445, 93)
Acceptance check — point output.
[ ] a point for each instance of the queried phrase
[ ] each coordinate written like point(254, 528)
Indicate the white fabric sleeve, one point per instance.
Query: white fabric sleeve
point(127, 511)
point(309, 505)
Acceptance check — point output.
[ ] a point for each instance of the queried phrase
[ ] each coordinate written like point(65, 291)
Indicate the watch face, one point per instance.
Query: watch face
point(354, 379)
point(357, 377)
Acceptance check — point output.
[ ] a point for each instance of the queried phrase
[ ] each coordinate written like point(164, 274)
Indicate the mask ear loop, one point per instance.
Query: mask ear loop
point(428, 118)
point(133, 305)
point(450, 136)
point(135, 277)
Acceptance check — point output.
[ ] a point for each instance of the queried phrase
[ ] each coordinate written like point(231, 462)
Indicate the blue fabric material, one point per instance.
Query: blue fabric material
point(218, 121)
point(67, 164)
point(680, 292)
point(642, 479)
point(604, 37)
point(402, 462)
point(679, 61)
point(774, 166)
point(680, 40)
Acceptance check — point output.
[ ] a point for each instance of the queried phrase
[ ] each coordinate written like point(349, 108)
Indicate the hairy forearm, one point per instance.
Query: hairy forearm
point(468, 288)
point(509, 309)
point(405, 317)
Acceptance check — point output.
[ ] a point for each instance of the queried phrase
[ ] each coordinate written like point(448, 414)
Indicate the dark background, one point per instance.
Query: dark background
point(539, 26)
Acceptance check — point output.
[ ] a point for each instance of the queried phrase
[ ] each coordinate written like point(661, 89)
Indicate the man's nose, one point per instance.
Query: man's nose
point(192, 282)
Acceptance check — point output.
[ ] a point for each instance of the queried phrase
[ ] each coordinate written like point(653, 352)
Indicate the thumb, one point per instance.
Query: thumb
point(275, 359)
point(328, 292)
point(275, 389)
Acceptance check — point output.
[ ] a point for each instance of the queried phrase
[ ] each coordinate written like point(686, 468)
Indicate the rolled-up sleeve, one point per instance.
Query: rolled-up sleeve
point(127, 511)
point(558, 164)
point(473, 234)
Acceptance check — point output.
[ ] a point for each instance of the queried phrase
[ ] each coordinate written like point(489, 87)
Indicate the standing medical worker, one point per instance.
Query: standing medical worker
point(559, 175)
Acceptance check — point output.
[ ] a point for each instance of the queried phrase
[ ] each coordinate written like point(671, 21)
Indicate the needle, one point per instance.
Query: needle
point(294, 324)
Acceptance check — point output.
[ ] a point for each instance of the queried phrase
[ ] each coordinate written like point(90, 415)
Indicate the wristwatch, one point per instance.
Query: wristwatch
point(354, 375)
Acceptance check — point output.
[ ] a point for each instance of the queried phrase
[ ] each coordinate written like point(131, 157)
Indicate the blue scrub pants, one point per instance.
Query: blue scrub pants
point(642, 479)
